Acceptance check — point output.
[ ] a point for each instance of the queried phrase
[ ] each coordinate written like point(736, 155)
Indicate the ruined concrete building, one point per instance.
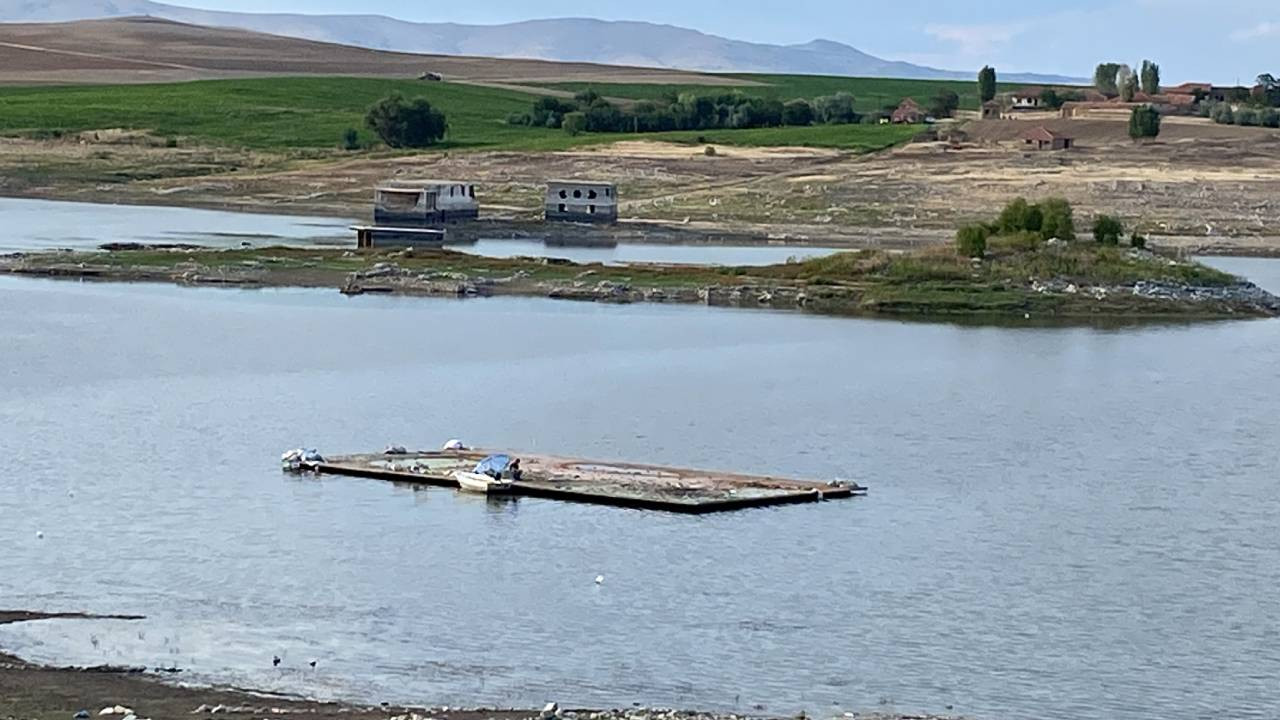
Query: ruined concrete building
point(581, 201)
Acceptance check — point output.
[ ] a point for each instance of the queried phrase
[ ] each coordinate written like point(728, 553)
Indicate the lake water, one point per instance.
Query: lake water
point(1063, 522)
point(43, 224)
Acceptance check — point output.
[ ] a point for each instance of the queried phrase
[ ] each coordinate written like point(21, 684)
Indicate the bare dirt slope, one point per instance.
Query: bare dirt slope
point(132, 50)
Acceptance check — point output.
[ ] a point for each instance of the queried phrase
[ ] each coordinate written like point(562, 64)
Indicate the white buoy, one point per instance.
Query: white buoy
point(599, 579)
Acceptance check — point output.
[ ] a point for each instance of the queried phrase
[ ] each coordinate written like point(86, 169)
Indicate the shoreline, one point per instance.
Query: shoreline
point(31, 691)
point(926, 285)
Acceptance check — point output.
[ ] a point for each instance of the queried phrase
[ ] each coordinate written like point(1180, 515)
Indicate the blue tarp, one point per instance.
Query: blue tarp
point(493, 465)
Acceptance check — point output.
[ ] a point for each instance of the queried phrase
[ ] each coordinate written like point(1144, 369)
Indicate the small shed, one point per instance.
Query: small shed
point(581, 201)
point(1041, 138)
point(992, 110)
point(908, 112)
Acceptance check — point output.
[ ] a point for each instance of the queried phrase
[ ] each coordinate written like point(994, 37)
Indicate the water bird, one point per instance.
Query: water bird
point(39, 535)
point(599, 579)
point(275, 661)
point(312, 664)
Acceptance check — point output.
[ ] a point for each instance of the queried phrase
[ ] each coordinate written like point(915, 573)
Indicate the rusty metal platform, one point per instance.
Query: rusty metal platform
point(620, 484)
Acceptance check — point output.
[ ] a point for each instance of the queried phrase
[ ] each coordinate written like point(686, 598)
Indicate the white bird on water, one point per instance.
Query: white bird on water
point(599, 579)
point(39, 535)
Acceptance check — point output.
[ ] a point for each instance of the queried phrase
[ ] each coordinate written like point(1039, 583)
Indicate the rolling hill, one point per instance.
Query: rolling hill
point(568, 40)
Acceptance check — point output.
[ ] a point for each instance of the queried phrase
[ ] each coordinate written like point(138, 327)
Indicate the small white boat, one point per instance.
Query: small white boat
point(480, 483)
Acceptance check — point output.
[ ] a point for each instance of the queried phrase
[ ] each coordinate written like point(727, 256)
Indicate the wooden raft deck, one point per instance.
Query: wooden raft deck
point(630, 485)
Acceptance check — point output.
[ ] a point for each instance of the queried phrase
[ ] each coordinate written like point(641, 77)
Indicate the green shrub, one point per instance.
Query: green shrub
point(1270, 118)
point(709, 151)
point(1057, 220)
point(1144, 122)
point(1107, 230)
point(971, 241)
point(1248, 117)
point(1019, 215)
point(350, 139)
point(1137, 241)
point(1222, 114)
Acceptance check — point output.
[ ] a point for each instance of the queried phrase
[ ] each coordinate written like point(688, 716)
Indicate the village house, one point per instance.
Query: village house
point(1027, 98)
point(992, 110)
point(908, 113)
point(1041, 138)
point(581, 201)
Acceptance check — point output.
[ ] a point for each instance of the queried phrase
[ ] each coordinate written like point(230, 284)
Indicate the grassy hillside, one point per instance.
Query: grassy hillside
point(312, 113)
point(871, 93)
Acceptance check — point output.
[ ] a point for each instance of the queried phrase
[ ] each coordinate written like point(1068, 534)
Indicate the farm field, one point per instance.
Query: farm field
point(293, 113)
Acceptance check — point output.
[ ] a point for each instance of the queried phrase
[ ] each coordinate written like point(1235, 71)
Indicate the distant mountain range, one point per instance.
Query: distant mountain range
point(571, 39)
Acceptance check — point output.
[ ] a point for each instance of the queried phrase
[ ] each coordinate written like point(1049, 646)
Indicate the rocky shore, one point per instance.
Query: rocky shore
point(37, 692)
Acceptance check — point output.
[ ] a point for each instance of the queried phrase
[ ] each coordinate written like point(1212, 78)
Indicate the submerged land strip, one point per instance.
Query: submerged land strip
point(29, 691)
point(1056, 280)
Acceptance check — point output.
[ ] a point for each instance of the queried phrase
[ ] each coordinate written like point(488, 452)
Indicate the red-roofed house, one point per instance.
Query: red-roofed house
point(908, 113)
point(1043, 139)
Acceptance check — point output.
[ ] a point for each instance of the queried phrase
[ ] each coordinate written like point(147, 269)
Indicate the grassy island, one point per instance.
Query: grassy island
point(1014, 279)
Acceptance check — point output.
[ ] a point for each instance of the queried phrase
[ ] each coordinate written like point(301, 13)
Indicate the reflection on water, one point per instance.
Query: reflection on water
point(640, 253)
point(1063, 523)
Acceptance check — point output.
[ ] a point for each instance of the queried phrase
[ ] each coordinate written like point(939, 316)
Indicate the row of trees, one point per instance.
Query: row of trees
point(1120, 80)
point(589, 112)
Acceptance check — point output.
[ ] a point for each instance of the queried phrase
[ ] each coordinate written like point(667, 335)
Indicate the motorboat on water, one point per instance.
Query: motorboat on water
point(493, 474)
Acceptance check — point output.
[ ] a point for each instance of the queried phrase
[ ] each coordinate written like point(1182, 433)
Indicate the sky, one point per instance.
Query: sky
point(1222, 41)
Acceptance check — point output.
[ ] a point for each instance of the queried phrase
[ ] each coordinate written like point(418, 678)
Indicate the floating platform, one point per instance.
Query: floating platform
point(629, 485)
point(378, 236)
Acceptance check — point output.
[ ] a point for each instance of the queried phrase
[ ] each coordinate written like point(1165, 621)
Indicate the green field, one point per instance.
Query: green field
point(871, 93)
point(309, 113)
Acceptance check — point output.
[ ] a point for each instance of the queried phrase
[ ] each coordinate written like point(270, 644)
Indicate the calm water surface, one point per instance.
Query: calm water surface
point(45, 224)
point(1063, 523)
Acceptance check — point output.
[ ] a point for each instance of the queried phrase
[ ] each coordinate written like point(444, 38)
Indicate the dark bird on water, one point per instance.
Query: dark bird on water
point(312, 663)
point(275, 661)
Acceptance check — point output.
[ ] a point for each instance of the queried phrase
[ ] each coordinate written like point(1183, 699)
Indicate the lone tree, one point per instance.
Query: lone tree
point(944, 104)
point(1104, 79)
point(402, 124)
point(1144, 122)
point(574, 123)
point(1126, 83)
point(1150, 78)
point(986, 84)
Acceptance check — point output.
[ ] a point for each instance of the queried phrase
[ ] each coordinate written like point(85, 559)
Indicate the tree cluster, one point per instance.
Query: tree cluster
point(1036, 222)
point(406, 124)
point(1120, 80)
point(589, 112)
